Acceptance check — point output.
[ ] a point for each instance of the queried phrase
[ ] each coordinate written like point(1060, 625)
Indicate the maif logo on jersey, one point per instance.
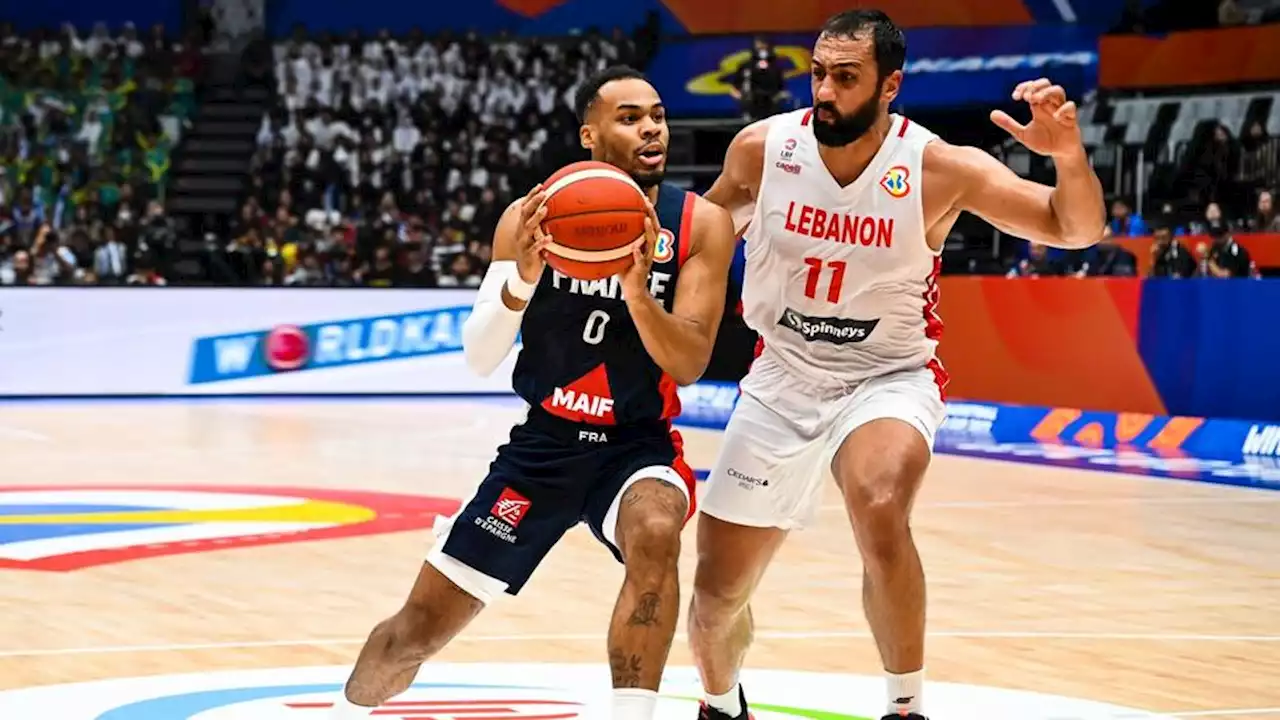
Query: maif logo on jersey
point(587, 399)
point(69, 528)
point(895, 182)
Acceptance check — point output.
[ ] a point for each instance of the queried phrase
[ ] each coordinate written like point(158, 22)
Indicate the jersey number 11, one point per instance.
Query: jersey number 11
point(815, 275)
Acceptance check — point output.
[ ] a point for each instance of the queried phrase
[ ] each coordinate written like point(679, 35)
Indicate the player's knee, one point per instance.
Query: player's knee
point(650, 520)
point(651, 539)
point(715, 604)
point(881, 518)
point(717, 596)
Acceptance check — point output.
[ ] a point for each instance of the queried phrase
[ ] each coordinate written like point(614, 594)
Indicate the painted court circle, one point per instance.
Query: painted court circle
point(541, 691)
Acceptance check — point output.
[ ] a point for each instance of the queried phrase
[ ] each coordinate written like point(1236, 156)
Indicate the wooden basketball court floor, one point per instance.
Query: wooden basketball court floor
point(1153, 594)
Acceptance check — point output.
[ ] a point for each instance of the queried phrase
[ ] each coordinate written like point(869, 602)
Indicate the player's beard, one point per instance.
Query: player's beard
point(648, 178)
point(845, 129)
point(643, 177)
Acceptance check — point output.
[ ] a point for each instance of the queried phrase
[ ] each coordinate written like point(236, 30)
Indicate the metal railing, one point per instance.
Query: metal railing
point(1130, 171)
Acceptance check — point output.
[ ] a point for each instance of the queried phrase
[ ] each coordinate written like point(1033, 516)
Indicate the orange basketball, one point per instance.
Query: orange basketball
point(594, 212)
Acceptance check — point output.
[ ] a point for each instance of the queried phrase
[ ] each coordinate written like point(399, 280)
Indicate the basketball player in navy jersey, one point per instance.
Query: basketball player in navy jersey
point(599, 369)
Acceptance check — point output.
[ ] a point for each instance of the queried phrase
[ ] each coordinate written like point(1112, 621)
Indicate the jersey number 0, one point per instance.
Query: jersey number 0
point(593, 328)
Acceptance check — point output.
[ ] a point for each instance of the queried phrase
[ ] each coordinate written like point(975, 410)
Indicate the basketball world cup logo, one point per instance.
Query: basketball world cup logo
point(286, 347)
point(895, 182)
point(666, 246)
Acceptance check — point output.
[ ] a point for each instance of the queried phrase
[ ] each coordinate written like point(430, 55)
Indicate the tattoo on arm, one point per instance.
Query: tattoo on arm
point(646, 612)
point(626, 669)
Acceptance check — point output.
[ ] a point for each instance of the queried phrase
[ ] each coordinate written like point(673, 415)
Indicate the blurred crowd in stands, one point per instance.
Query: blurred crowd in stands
point(1175, 15)
point(386, 161)
point(1223, 187)
point(87, 124)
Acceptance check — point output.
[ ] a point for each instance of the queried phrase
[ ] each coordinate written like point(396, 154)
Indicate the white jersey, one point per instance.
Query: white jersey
point(841, 283)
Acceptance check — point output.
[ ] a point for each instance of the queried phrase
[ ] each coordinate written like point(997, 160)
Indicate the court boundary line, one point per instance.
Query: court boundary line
point(1013, 504)
point(1222, 713)
point(597, 637)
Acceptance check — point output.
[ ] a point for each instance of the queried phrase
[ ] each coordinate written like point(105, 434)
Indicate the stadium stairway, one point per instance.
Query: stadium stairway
point(212, 164)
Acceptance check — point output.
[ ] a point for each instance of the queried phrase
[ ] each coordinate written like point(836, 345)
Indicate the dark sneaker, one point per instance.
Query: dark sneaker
point(904, 716)
point(706, 712)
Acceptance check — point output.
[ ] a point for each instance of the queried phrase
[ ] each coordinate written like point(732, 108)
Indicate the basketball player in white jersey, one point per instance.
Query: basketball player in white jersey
point(847, 207)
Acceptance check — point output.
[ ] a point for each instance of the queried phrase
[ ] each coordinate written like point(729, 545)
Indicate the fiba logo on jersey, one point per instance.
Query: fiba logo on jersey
point(286, 348)
point(895, 182)
point(666, 246)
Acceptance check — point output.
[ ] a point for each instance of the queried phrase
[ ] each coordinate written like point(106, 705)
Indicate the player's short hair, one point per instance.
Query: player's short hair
point(889, 41)
point(589, 91)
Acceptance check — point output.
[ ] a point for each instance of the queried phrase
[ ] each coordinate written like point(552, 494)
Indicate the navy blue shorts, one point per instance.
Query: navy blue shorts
point(549, 476)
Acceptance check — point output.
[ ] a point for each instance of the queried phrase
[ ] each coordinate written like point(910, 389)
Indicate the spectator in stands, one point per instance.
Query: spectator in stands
point(1123, 222)
point(1213, 169)
point(110, 258)
point(17, 269)
point(1225, 258)
point(760, 86)
point(1265, 218)
point(1108, 258)
point(1037, 263)
point(1259, 157)
point(1169, 257)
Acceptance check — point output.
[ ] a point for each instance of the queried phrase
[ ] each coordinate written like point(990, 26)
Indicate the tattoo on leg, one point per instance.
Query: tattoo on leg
point(646, 612)
point(626, 669)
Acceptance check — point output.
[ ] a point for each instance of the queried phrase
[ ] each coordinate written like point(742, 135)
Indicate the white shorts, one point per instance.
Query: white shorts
point(777, 449)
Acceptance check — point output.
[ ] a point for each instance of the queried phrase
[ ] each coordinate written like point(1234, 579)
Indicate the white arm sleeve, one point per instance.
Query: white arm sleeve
point(490, 331)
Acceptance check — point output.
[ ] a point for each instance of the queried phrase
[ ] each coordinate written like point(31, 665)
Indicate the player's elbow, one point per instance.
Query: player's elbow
point(692, 369)
point(477, 360)
point(689, 375)
point(1082, 236)
point(479, 353)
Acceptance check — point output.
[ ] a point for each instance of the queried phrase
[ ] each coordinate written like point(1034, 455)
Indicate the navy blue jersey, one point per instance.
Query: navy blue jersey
point(583, 359)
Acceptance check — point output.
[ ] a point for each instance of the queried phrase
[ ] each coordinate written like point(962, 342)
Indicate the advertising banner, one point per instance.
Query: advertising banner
point(1198, 347)
point(1223, 451)
point(946, 67)
point(189, 341)
point(1187, 59)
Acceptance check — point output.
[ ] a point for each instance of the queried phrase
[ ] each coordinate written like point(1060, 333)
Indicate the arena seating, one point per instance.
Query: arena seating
point(384, 160)
point(412, 147)
point(1170, 141)
point(87, 125)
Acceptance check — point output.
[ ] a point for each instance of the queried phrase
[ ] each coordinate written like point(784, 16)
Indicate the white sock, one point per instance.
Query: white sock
point(906, 692)
point(344, 709)
point(634, 704)
point(729, 703)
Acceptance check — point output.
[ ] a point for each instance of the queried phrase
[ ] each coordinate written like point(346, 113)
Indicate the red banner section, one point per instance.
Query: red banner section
point(1188, 59)
point(1264, 248)
point(1060, 342)
point(745, 16)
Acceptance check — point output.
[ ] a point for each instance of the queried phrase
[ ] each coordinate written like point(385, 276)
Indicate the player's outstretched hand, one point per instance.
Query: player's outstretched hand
point(531, 241)
point(635, 279)
point(1053, 129)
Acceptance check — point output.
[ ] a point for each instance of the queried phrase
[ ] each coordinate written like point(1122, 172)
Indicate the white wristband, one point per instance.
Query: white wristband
point(518, 288)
